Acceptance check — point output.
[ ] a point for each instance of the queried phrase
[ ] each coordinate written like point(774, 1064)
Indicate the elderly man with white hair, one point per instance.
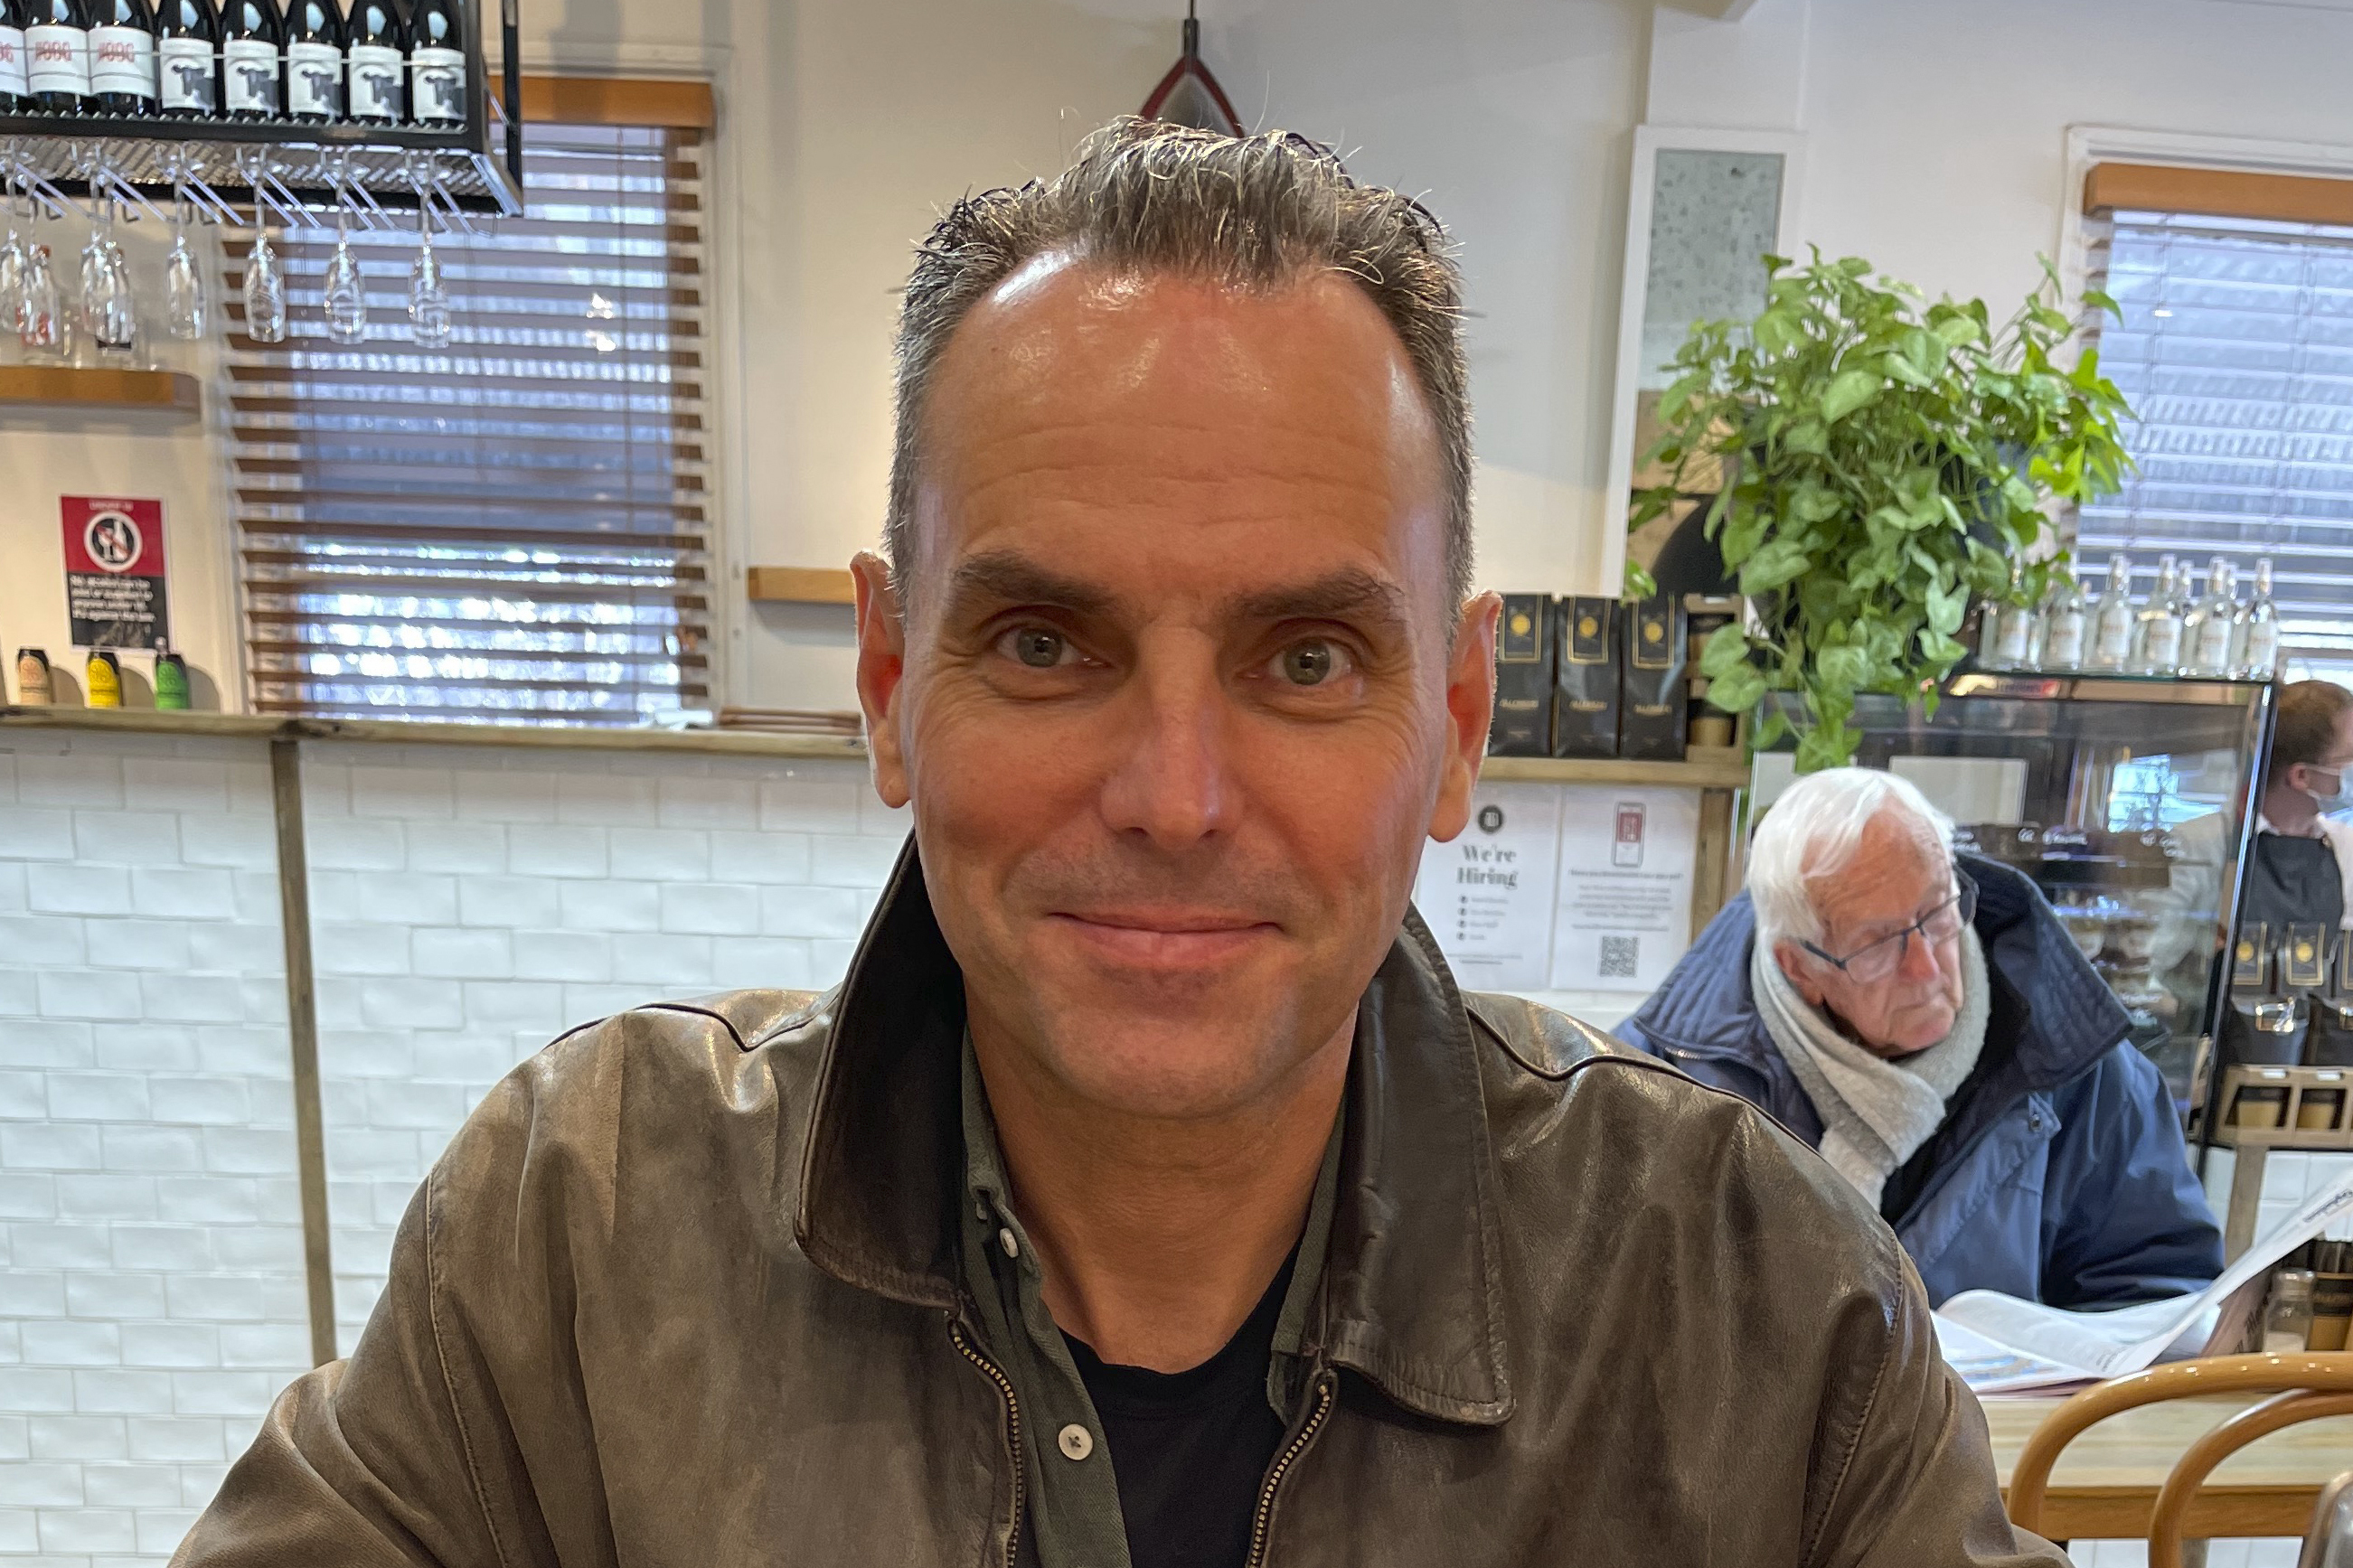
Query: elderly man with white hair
point(1922, 1019)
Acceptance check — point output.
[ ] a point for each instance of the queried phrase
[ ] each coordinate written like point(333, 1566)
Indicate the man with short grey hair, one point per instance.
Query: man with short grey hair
point(1147, 1196)
point(1926, 1023)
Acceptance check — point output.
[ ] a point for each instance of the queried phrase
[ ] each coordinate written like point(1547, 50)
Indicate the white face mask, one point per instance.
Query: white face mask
point(2338, 799)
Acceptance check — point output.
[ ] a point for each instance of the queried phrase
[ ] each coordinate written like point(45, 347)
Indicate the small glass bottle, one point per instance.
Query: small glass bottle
point(2210, 639)
point(2288, 1311)
point(2063, 617)
point(2112, 618)
point(2156, 634)
point(2015, 644)
point(2258, 640)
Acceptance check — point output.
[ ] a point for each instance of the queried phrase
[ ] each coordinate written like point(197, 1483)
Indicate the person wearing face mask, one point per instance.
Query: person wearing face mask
point(2301, 862)
point(1923, 1020)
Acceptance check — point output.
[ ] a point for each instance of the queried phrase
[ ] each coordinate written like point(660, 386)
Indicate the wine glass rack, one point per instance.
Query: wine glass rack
point(288, 171)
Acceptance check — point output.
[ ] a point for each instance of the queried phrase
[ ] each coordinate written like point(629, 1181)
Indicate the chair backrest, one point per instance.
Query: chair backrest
point(2198, 1461)
point(2302, 1371)
point(2330, 1544)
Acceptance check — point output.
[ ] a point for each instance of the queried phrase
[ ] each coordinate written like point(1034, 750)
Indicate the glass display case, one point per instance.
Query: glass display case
point(2127, 799)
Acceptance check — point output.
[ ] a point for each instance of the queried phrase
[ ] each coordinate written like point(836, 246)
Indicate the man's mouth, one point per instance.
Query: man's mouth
point(1163, 938)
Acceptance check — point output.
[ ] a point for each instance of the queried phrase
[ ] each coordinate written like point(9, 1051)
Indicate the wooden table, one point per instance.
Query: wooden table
point(2106, 1481)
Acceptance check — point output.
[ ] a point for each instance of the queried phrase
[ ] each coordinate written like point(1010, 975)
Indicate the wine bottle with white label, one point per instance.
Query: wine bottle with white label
point(378, 53)
point(121, 57)
point(252, 70)
point(15, 90)
point(314, 61)
point(437, 63)
point(188, 68)
point(56, 66)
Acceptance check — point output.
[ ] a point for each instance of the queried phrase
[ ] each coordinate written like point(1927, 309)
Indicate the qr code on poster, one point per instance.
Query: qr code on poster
point(1620, 956)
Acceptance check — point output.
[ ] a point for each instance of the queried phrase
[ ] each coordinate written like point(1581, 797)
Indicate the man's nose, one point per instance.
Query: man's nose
point(1919, 962)
point(1170, 778)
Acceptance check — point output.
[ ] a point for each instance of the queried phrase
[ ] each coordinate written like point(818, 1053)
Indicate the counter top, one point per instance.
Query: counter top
point(1711, 767)
point(401, 731)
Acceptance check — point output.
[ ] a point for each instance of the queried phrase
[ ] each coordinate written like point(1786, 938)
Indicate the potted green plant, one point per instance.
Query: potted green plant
point(1885, 458)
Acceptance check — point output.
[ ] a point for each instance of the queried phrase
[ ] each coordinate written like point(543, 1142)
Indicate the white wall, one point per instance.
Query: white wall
point(1935, 130)
point(467, 905)
point(152, 1293)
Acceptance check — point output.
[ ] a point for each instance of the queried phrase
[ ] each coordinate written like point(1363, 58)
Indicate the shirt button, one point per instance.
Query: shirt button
point(1076, 1441)
point(1004, 1239)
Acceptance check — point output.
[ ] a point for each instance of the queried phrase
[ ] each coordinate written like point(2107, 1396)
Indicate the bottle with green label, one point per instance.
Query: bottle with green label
point(171, 678)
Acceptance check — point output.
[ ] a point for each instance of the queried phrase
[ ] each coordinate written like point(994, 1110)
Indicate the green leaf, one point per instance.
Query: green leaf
point(1842, 668)
point(1814, 501)
point(1848, 391)
point(1946, 607)
point(1940, 652)
point(1955, 330)
point(1737, 690)
point(1771, 728)
point(1726, 649)
point(1776, 563)
point(1926, 352)
point(1828, 745)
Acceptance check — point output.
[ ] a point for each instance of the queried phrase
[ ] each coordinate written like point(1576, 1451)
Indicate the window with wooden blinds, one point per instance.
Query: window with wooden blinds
point(512, 528)
point(2235, 348)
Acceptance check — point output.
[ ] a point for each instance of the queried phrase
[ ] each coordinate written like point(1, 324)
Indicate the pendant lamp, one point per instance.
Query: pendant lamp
point(1188, 94)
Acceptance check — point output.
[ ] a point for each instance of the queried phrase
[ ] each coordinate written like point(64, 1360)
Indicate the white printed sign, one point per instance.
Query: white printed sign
point(1624, 891)
point(1488, 895)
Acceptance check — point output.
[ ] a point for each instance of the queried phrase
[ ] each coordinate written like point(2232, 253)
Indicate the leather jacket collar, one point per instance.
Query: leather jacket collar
point(1412, 1296)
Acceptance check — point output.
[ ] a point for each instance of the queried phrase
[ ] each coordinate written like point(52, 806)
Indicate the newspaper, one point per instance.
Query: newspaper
point(2001, 1344)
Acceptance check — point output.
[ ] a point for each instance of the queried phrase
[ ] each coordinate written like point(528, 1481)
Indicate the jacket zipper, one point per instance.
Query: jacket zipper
point(1282, 1463)
point(1012, 1432)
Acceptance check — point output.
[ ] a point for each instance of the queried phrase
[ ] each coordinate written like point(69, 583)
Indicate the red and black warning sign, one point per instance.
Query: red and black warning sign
point(115, 572)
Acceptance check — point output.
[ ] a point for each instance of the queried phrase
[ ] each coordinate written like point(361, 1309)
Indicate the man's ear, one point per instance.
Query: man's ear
point(881, 672)
point(1470, 709)
point(1795, 963)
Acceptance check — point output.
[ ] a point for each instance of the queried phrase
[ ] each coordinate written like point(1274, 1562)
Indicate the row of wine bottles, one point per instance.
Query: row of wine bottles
point(2174, 631)
point(386, 63)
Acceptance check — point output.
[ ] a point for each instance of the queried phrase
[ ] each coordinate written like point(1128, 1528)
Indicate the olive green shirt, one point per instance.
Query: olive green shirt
point(1070, 1495)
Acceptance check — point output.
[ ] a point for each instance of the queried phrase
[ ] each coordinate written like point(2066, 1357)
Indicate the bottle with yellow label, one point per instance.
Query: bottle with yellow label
point(104, 678)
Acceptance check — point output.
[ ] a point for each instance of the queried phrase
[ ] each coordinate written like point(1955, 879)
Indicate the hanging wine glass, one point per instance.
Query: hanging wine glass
point(265, 291)
point(40, 312)
point(110, 314)
point(184, 309)
point(346, 301)
point(428, 295)
point(13, 257)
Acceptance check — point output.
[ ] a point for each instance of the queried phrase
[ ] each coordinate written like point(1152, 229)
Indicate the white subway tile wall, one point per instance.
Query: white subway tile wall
point(467, 905)
point(151, 1289)
point(471, 903)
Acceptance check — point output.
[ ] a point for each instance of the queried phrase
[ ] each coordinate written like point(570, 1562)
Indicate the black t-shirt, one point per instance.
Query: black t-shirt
point(1191, 1449)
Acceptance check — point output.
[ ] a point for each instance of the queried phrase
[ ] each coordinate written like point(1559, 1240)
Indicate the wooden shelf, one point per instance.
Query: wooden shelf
point(800, 586)
point(72, 386)
point(1705, 767)
point(396, 732)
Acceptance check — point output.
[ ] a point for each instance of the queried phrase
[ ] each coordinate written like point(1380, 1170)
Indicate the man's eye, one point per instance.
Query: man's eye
point(1040, 648)
point(1312, 662)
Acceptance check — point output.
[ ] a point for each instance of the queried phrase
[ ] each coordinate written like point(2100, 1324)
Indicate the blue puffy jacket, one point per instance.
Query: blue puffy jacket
point(2059, 1174)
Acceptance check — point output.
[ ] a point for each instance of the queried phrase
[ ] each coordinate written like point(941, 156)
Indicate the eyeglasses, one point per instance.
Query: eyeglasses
point(1875, 961)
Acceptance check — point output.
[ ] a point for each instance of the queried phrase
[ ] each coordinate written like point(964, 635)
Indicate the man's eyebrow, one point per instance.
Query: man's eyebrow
point(1342, 596)
point(1008, 577)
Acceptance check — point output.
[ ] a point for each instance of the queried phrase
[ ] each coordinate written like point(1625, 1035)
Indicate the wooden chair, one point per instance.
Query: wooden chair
point(2307, 1385)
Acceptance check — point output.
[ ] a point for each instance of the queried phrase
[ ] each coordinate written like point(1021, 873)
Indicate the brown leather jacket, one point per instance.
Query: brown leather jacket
point(684, 1293)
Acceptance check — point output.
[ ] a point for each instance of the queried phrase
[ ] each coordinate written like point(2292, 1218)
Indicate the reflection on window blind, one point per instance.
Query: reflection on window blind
point(512, 528)
point(2236, 351)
